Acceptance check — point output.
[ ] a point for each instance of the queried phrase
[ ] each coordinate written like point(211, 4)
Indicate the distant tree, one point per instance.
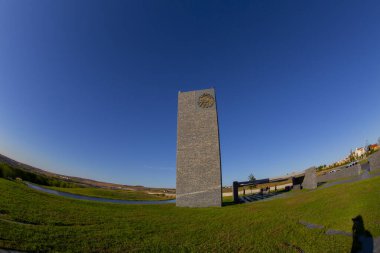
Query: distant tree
point(6, 171)
point(378, 141)
point(9, 172)
point(352, 156)
point(321, 167)
point(252, 180)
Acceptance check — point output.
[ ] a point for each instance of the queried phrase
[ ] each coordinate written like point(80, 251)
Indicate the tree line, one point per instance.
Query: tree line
point(9, 172)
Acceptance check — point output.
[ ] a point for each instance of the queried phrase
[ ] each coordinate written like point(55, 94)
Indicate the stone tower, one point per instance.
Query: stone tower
point(199, 177)
point(310, 179)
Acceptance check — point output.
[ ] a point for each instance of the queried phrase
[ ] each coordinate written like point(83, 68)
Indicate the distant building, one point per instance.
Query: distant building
point(359, 152)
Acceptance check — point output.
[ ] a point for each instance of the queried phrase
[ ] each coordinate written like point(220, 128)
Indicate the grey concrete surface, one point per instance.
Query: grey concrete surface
point(341, 172)
point(374, 161)
point(310, 180)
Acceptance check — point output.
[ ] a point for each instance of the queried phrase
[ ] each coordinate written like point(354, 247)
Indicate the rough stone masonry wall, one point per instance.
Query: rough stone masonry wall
point(199, 182)
point(374, 161)
point(310, 180)
point(344, 172)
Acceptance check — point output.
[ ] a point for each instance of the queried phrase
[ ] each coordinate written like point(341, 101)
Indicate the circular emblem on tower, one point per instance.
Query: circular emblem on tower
point(206, 100)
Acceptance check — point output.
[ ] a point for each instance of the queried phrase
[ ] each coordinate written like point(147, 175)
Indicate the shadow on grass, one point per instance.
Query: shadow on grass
point(229, 203)
point(254, 197)
point(362, 240)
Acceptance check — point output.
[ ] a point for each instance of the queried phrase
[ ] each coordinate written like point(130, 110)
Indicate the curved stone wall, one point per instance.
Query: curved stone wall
point(342, 173)
point(374, 161)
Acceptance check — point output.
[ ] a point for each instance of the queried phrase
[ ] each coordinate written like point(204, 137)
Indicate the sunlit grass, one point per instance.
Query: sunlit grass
point(48, 222)
point(113, 194)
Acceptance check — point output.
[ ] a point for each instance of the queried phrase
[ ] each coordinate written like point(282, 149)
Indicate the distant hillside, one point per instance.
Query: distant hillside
point(77, 180)
point(23, 166)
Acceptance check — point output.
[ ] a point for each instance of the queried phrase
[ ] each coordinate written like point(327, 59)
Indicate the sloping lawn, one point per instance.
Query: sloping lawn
point(112, 194)
point(32, 221)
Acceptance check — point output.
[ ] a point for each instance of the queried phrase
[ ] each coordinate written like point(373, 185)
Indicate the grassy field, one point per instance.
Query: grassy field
point(112, 194)
point(36, 221)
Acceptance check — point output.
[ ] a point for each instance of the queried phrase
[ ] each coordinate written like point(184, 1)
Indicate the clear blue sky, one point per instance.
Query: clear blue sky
point(89, 88)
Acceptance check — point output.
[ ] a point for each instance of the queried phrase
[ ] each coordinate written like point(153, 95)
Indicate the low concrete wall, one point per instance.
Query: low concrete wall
point(365, 167)
point(257, 190)
point(374, 161)
point(344, 172)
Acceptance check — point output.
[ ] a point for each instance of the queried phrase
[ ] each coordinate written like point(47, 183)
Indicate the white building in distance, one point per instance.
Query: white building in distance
point(359, 152)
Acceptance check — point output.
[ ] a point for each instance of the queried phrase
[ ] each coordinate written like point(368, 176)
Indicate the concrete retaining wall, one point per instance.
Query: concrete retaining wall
point(344, 172)
point(374, 161)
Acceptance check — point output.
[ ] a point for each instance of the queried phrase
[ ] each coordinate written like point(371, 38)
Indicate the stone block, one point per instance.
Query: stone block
point(310, 180)
point(199, 178)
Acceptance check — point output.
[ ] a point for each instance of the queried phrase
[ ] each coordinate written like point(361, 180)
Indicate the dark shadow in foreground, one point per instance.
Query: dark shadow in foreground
point(229, 203)
point(362, 240)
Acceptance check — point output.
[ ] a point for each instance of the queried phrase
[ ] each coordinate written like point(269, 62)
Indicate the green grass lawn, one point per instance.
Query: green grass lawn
point(36, 221)
point(112, 194)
